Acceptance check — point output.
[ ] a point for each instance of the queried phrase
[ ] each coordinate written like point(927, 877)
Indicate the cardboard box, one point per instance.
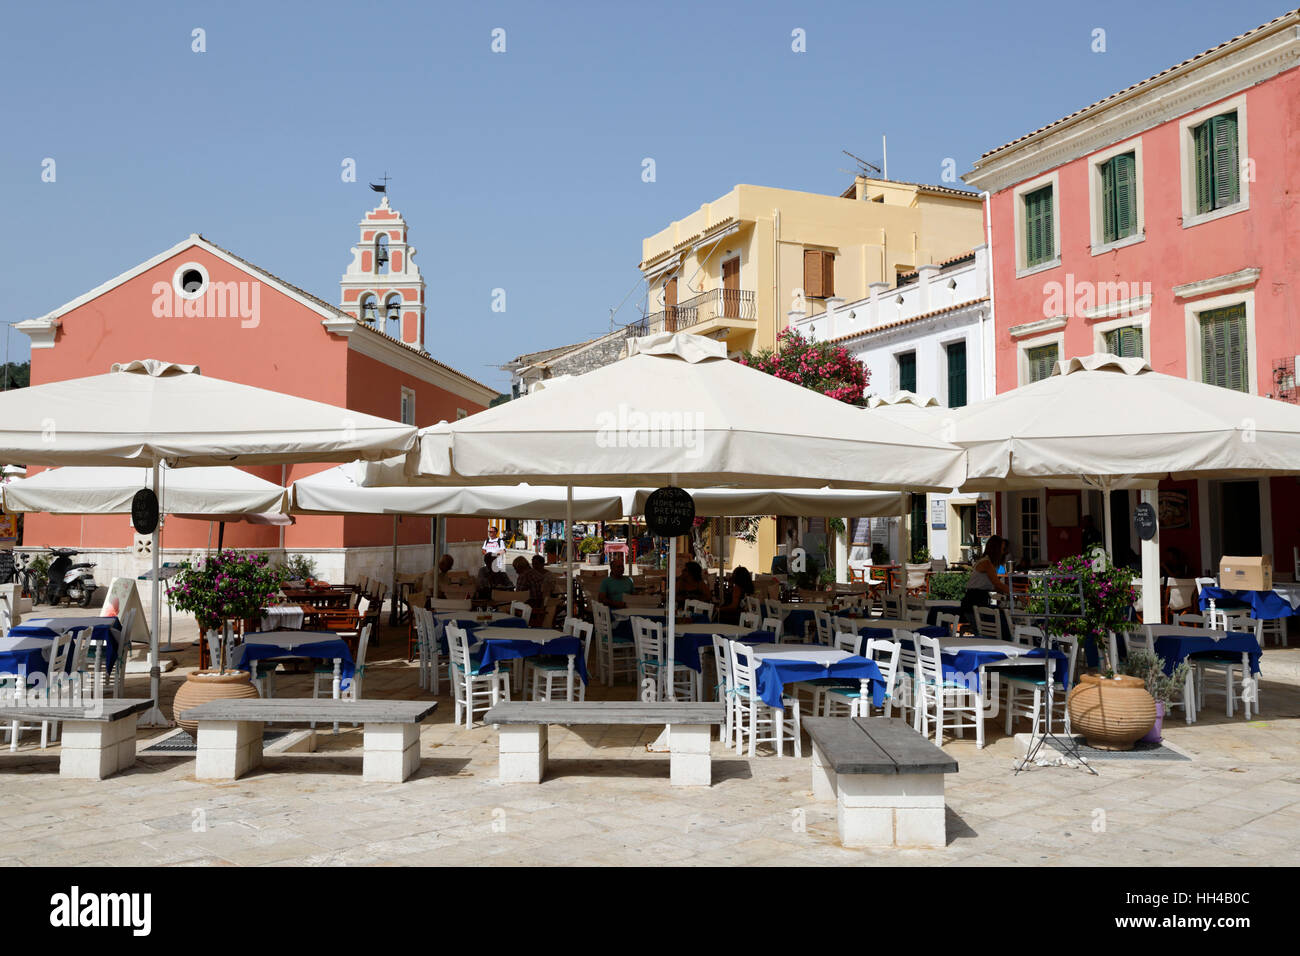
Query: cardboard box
point(1246, 573)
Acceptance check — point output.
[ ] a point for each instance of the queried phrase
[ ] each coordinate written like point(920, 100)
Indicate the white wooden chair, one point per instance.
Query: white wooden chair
point(753, 715)
point(428, 652)
point(521, 609)
point(325, 673)
point(726, 689)
point(776, 626)
point(56, 684)
point(825, 633)
point(905, 678)
point(885, 653)
point(547, 671)
point(914, 609)
point(700, 607)
point(949, 702)
point(1239, 686)
point(951, 621)
point(472, 691)
point(749, 619)
point(648, 637)
point(1021, 686)
point(987, 623)
point(850, 641)
point(1146, 642)
point(617, 654)
point(891, 603)
point(751, 606)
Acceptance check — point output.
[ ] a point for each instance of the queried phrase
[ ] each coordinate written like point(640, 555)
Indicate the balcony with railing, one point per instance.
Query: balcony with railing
point(702, 313)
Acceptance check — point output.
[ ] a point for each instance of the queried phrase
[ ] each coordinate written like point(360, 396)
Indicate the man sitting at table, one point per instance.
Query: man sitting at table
point(615, 587)
point(488, 579)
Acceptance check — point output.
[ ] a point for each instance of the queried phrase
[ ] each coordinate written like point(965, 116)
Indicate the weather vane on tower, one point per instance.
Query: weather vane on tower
point(384, 188)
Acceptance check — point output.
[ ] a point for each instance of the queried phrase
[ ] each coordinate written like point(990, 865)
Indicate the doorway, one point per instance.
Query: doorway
point(731, 288)
point(1239, 518)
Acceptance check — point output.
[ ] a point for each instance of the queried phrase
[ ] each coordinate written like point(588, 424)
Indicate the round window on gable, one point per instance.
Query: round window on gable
point(190, 281)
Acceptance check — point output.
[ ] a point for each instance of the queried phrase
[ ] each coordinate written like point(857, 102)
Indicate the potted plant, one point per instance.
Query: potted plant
point(297, 567)
point(948, 585)
point(1111, 710)
point(593, 548)
point(1150, 668)
point(218, 590)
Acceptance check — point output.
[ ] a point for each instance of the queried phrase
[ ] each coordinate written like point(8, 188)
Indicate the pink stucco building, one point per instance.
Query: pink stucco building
point(1161, 221)
point(198, 303)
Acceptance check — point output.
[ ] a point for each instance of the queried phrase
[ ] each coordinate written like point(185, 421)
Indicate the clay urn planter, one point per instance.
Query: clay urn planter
point(202, 686)
point(1112, 713)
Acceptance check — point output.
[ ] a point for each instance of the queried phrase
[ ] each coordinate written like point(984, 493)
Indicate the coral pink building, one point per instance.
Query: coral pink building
point(198, 303)
point(1161, 222)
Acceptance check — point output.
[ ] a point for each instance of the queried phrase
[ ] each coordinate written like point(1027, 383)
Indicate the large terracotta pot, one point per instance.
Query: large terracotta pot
point(1111, 713)
point(202, 686)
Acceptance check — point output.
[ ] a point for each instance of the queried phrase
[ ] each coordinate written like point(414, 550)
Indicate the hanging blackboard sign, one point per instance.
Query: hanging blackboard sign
point(144, 511)
point(669, 512)
point(1144, 520)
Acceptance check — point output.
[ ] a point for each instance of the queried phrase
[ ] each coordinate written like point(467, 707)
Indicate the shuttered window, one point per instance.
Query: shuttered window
point(1218, 182)
point(818, 274)
point(1041, 361)
point(1125, 342)
point(1224, 348)
point(907, 372)
point(1040, 240)
point(956, 374)
point(1119, 197)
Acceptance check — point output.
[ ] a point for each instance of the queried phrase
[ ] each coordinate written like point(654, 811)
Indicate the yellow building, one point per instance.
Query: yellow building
point(737, 267)
point(742, 267)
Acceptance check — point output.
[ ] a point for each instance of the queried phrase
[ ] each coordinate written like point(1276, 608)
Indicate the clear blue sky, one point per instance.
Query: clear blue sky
point(519, 170)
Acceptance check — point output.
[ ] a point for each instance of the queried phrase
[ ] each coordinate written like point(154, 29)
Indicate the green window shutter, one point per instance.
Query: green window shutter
point(1038, 227)
point(1125, 342)
point(1041, 361)
point(907, 372)
point(1224, 349)
point(957, 375)
point(1204, 177)
point(1125, 193)
point(1223, 143)
point(1108, 228)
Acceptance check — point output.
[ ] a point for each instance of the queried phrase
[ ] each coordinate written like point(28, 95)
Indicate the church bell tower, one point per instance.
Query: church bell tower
point(383, 286)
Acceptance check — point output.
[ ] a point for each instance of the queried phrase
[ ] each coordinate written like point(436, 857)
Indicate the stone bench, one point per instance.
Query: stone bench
point(885, 777)
point(230, 732)
point(98, 736)
point(523, 733)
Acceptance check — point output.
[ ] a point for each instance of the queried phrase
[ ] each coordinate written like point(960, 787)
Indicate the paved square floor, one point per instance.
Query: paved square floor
point(606, 800)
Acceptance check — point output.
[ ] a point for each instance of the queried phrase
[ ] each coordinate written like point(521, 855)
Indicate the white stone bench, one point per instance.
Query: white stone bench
point(230, 732)
point(98, 736)
point(885, 777)
point(523, 733)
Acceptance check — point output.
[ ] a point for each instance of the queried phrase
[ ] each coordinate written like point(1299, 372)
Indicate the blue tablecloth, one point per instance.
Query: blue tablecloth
point(1173, 648)
point(773, 675)
point(796, 621)
point(623, 628)
point(35, 660)
point(686, 647)
point(496, 650)
point(1264, 605)
point(963, 664)
point(318, 645)
point(887, 633)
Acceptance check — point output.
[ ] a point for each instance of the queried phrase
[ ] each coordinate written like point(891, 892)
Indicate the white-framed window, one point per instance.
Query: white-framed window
point(1116, 197)
point(190, 280)
point(1215, 159)
point(1036, 214)
point(1031, 532)
point(1127, 337)
point(408, 406)
point(1221, 341)
point(905, 371)
point(461, 413)
point(1037, 357)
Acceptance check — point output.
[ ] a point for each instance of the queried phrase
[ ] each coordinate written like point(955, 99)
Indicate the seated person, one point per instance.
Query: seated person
point(547, 581)
point(691, 585)
point(742, 586)
point(445, 565)
point(615, 587)
point(488, 580)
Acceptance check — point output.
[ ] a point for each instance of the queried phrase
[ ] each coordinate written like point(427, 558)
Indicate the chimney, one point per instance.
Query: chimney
point(860, 188)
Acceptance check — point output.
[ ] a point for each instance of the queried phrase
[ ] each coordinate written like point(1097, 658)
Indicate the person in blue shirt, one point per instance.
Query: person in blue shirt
point(615, 587)
point(985, 578)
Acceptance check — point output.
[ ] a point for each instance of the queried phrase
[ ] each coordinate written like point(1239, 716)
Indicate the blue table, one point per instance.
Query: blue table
point(469, 625)
point(1174, 644)
point(781, 664)
point(533, 642)
point(691, 638)
point(1264, 605)
point(26, 649)
point(314, 645)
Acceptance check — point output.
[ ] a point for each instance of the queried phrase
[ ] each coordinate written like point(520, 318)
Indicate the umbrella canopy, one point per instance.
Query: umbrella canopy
point(806, 502)
point(149, 410)
point(337, 491)
point(678, 411)
point(214, 492)
point(1100, 420)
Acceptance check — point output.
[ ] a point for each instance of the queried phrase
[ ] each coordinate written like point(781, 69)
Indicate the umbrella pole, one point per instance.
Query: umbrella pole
point(666, 649)
point(1105, 510)
point(221, 534)
point(392, 595)
point(568, 551)
point(154, 716)
point(1151, 566)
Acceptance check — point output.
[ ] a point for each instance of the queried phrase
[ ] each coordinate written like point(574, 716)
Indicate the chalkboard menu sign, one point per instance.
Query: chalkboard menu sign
point(144, 511)
point(1144, 520)
point(983, 518)
point(669, 512)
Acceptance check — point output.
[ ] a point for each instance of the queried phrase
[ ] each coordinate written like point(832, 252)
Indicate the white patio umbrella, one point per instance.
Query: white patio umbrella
point(807, 502)
point(677, 410)
point(151, 412)
point(212, 490)
point(1105, 422)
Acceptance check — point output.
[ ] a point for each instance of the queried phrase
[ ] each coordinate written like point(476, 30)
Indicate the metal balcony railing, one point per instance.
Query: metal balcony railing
point(714, 304)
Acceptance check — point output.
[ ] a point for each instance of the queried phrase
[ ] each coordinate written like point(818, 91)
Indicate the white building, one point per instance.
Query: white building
point(931, 335)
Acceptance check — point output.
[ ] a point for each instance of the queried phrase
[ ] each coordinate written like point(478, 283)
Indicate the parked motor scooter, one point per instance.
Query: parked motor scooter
point(76, 582)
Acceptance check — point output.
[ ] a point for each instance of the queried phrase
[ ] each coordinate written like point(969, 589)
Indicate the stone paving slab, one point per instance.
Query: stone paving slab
point(1236, 802)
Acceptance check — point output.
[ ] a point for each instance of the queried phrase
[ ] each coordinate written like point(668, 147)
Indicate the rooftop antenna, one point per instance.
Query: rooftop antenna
point(862, 163)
